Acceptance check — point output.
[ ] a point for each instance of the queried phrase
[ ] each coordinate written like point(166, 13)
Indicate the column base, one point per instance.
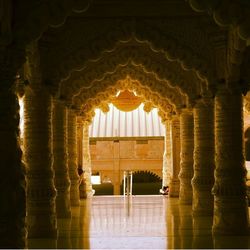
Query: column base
point(42, 226)
point(200, 226)
point(90, 193)
point(12, 234)
point(174, 188)
point(186, 195)
point(36, 232)
point(230, 216)
point(203, 203)
point(63, 214)
point(74, 196)
point(63, 207)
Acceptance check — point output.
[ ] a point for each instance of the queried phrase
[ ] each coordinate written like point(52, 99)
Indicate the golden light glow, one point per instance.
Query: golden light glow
point(126, 101)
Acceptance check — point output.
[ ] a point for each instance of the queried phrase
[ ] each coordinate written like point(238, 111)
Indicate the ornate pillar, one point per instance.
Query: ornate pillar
point(12, 178)
point(37, 140)
point(204, 164)
point(187, 148)
point(72, 162)
point(167, 156)
point(79, 141)
point(174, 185)
point(86, 161)
point(60, 165)
point(230, 202)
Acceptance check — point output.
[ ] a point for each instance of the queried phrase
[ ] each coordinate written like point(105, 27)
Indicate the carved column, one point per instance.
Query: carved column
point(230, 203)
point(12, 178)
point(167, 156)
point(60, 165)
point(204, 164)
point(174, 185)
point(187, 148)
point(41, 191)
point(86, 161)
point(72, 162)
point(79, 141)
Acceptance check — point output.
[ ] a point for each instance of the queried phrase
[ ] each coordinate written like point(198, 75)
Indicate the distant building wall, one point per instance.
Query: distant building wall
point(112, 156)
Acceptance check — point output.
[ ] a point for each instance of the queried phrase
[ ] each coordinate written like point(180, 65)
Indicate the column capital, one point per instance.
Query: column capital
point(187, 110)
point(229, 87)
point(205, 101)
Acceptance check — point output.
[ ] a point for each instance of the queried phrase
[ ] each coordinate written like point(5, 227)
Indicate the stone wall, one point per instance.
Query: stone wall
point(112, 156)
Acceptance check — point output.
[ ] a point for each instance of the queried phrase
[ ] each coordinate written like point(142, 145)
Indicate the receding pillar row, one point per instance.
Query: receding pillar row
point(72, 161)
point(174, 184)
point(187, 148)
point(41, 190)
point(86, 161)
point(230, 202)
point(60, 165)
point(204, 164)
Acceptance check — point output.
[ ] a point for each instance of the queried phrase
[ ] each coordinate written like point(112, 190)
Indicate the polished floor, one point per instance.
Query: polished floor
point(136, 222)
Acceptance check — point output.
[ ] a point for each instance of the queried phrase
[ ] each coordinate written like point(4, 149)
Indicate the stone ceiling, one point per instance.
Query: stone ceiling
point(82, 56)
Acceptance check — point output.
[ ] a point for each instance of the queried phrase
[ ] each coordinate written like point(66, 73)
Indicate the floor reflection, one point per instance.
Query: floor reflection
point(136, 222)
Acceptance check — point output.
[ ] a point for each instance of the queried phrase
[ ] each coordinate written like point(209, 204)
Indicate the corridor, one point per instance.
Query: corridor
point(137, 222)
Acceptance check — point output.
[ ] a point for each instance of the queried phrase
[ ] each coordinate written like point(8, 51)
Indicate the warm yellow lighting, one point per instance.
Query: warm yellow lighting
point(21, 114)
point(126, 101)
point(118, 93)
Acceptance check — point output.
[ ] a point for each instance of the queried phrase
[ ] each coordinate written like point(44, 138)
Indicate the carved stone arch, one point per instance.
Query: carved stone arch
point(146, 81)
point(87, 106)
point(151, 61)
point(137, 71)
point(166, 36)
point(129, 84)
point(120, 31)
point(146, 176)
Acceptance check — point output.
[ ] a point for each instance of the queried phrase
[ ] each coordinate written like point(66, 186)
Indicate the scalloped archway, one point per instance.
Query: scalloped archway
point(100, 100)
point(175, 44)
point(146, 81)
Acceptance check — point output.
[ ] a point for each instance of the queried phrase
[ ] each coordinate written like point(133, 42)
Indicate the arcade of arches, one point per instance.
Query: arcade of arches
point(64, 58)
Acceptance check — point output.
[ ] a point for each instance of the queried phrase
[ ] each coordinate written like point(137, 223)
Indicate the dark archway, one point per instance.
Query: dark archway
point(145, 183)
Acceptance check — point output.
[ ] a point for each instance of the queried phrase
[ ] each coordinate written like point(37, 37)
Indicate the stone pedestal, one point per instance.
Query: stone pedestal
point(72, 160)
point(174, 145)
point(230, 202)
point(167, 156)
point(187, 148)
point(86, 161)
point(37, 141)
point(12, 178)
point(204, 164)
point(60, 165)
